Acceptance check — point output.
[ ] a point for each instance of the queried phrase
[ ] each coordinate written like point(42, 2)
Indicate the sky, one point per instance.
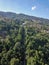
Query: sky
point(38, 8)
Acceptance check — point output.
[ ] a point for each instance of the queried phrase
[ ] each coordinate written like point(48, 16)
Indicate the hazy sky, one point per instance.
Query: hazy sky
point(39, 8)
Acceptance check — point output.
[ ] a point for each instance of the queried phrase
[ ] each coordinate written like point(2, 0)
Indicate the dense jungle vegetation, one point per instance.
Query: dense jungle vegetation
point(23, 42)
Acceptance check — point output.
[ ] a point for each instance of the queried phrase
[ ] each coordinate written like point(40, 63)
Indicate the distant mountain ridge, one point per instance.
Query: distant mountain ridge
point(11, 15)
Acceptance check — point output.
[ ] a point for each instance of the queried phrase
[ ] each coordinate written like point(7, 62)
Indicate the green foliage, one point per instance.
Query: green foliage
point(23, 44)
point(14, 61)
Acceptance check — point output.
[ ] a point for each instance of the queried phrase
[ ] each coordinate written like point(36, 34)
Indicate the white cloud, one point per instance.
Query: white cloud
point(34, 7)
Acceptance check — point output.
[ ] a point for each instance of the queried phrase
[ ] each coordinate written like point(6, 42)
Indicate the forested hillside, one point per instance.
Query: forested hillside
point(24, 41)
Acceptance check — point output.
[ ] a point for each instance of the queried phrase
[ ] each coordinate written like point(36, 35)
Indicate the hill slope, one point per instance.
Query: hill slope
point(11, 15)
